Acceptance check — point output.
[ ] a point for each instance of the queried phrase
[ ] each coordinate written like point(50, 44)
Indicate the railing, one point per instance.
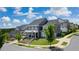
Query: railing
point(31, 30)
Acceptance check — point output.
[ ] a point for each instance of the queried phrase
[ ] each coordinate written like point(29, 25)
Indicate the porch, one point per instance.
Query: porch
point(32, 34)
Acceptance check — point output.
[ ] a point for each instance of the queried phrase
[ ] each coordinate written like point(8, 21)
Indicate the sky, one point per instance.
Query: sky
point(11, 17)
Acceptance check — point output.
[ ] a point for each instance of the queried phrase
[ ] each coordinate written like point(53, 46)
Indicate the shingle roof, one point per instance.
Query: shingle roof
point(22, 27)
point(40, 21)
point(52, 22)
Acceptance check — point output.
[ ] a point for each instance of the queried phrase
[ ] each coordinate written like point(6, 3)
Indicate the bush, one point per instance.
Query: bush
point(55, 42)
point(64, 43)
point(18, 36)
point(63, 34)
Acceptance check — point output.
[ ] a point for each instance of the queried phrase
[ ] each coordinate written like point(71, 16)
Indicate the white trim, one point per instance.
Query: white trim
point(30, 31)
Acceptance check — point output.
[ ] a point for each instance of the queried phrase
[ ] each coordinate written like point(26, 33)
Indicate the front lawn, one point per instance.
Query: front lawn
point(43, 42)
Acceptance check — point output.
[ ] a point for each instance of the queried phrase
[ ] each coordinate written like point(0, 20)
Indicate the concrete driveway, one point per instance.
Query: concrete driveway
point(74, 45)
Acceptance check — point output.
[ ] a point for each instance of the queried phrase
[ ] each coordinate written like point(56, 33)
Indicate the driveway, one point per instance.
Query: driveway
point(13, 47)
point(74, 45)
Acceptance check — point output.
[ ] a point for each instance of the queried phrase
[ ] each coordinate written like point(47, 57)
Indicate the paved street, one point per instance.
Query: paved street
point(74, 45)
point(13, 47)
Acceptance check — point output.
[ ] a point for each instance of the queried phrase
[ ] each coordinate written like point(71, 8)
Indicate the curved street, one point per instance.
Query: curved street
point(74, 44)
point(13, 47)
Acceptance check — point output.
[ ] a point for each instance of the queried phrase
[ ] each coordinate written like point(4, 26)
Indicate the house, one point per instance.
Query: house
point(57, 27)
point(76, 26)
point(64, 25)
point(61, 25)
point(21, 29)
point(72, 26)
point(33, 30)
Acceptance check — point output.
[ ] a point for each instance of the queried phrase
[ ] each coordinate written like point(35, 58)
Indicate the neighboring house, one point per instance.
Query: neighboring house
point(57, 27)
point(64, 25)
point(76, 26)
point(61, 25)
point(72, 26)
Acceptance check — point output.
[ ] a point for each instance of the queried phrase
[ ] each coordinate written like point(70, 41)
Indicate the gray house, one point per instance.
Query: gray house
point(61, 25)
point(73, 26)
point(64, 25)
point(57, 27)
point(76, 26)
point(35, 28)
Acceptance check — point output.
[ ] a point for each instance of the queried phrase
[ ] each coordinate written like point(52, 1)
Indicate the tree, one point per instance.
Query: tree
point(49, 32)
point(18, 36)
point(1, 41)
point(6, 36)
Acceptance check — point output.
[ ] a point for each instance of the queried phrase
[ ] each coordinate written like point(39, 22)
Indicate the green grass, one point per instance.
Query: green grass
point(64, 43)
point(43, 42)
point(55, 42)
point(30, 46)
point(70, 36)
point(25, 45)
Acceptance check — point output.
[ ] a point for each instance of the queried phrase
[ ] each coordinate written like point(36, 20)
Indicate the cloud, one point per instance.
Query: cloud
point(2, 9)
point(59, 11)
point(18, 8)
point(30, 14)
point(24, 21)
point(5, 20)
point(77, 15)
point(39, 17)
point(74, 20)
point(16, 22)
point(52, 17)
point(17, 11)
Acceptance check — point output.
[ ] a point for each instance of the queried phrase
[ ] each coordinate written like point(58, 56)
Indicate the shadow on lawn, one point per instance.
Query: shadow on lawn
point(56, 49)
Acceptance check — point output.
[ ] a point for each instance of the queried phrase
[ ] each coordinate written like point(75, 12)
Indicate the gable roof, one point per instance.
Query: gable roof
point(55, 22)
point(40, 21)
point(22, 27)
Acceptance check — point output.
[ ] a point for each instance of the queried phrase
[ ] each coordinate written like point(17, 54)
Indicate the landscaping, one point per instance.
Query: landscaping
point(64, 43)
point(49, 40)
point(71, 34)
point(43, 42)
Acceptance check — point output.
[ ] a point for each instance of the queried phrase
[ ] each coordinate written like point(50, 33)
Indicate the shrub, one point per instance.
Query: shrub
point(63, 34)
point(64, 43)
point(18, 36)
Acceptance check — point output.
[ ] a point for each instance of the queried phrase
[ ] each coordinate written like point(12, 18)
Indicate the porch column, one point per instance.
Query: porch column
point(35, 35)
point(38, 34)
